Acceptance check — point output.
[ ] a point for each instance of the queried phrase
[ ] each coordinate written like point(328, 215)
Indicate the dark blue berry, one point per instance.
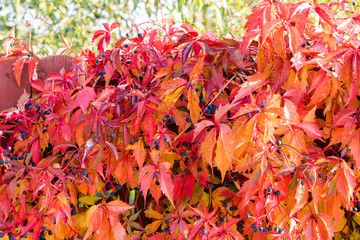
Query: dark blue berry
point(107, 193)
point(198, 217)
point(280, 231)
point(135, 139)
point(277, 193)
point(203, 232)
point(199, 169)
point(166, 230)
point(112, 135)
point(261, 229)
point(166, 139)
point(18, 184)
point(98, 194)
point(197, 89)
point(30, 107)
point(136, 189)
point(172, 119)
point(212, 185)
point(29, 54)
point(248, 114)
point(224, 205)
point(37, 105)
point(2, 162)
point(269, 189)
point(302, 182)
point(118, 186)
point(20, 120)
point(186, 170)
point(73, 170)
point(165, 119)
point(262, 105)
point(221, 219)
point(156, 175)
point(24, 192)
point(278, 142)
point(39, 112)
point(166, 221)
point(85, 172)
point(73, 212)
point(320, 175)
point(308, 43)
point(251, 59)
point(139, 35)
point(253, 226)
point(202, 100)
point(79, 236)
point(97, 60)
point(188, 120)
point(276, 229)
point(103, 54)
point(255, 229)
point(232, 208)
point(191, 84)
point(182, 175)
point(210, 106)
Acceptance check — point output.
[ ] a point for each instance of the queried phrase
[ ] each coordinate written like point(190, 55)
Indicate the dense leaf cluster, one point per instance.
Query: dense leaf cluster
point(176, 135)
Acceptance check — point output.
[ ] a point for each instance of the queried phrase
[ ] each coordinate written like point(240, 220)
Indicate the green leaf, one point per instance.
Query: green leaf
point(89, 200)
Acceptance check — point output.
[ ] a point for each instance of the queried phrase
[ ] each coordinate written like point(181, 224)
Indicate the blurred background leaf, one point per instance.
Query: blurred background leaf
point(79, 19)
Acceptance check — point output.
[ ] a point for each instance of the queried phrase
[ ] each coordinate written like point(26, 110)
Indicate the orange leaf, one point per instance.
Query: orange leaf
point(207, 146)
point(193, 105)
point(139, 152)
point(354, 147)
point(18, 67)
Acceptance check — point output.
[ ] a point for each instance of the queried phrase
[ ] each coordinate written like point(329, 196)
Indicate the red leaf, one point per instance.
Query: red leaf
point(18, 67)
point(326, 14)
point(84, 97)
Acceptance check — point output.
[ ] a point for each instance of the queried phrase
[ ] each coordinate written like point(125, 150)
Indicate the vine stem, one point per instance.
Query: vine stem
point(202, 114)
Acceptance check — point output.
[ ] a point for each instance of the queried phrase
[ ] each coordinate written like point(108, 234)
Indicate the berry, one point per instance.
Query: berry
point(47, 112)
point(202, 100)
point(203, 232)
point(188, 120)
point(79, 236)
point(308, 57)
point(166, 221)
point(156, 175)
point(320, 175)
point(85, 172)
point(18, 184)
point(253, 226)
point(126, 45)
point(278, 142)
point(19, 120)
point(353, 3)
point(135, 139)
point(98, 194)
point(127, 35)
point(277, 193)
point(29, 55)
point(248, 114)
point(198, 217)
point(112, 135)
point(221, 219)
point(35, 116)
point(197, 89)
point(261, 229)
point(302, 182)
point(191, 84)
point(255, 229)
point(210, 106)
point(108, 186)
point(103, 54)
point(354, 209)
point(73, 170)
point(37, 105)
point(303, 45)
point(2, 162)
point(165, 119)
point(24, 192)
point(280, 231)
point(212, 185)
point(358, 205)
point(156, 142)
point(166, 230)
point(97, 60)
point(331, 69)
point(199, 169)
point(308, 43)
point(262, 105)
point(244, 58)
point(118, 186)
point(139, 35)
point(232, 208)
point(239, 228)
point(276, 229)
point(269, 190)
point(265, 230)
point(30, 107)
point(107, 193)
point(43, 228)
point(166, 139)
point(172, 119)
point(224, 205)
point(141, 78)
point(251, 59)
point(136, 189)
point(186, 170)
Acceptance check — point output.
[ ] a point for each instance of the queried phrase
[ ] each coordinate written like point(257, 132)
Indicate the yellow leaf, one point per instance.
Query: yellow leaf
point(89, 200)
